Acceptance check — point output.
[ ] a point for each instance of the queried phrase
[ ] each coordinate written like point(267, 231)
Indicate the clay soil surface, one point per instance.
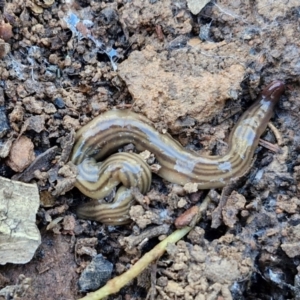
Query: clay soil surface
point(64, 62)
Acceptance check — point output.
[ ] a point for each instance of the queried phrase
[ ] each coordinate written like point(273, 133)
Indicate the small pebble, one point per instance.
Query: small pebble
point(59, 102)
point(96, 274)
point(4, 126)
point(5, 31)
point(21, 154)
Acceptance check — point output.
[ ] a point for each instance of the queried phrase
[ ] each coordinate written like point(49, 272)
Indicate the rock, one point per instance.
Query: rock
point(5, 31)
point(4, 48)
point(291, 244)
point(96, 274)
point(291, 249)
point(59, 102)
point(35, 123)
point(4, 126)
point(196, 6)
point(5, 148)
point(19, 235)
point(21, 154)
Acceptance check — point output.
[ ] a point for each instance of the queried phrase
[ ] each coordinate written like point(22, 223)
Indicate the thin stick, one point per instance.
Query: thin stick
point(272, 147)
point(277, 133)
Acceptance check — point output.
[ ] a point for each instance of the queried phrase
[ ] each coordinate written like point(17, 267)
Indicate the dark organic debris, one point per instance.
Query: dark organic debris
point(43, 162)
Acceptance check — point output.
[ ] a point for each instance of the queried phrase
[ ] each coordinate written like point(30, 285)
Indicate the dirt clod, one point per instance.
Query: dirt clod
point(21, 154)
point(177, 92)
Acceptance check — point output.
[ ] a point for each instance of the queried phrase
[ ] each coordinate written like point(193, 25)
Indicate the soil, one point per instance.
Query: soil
point(64, 62)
